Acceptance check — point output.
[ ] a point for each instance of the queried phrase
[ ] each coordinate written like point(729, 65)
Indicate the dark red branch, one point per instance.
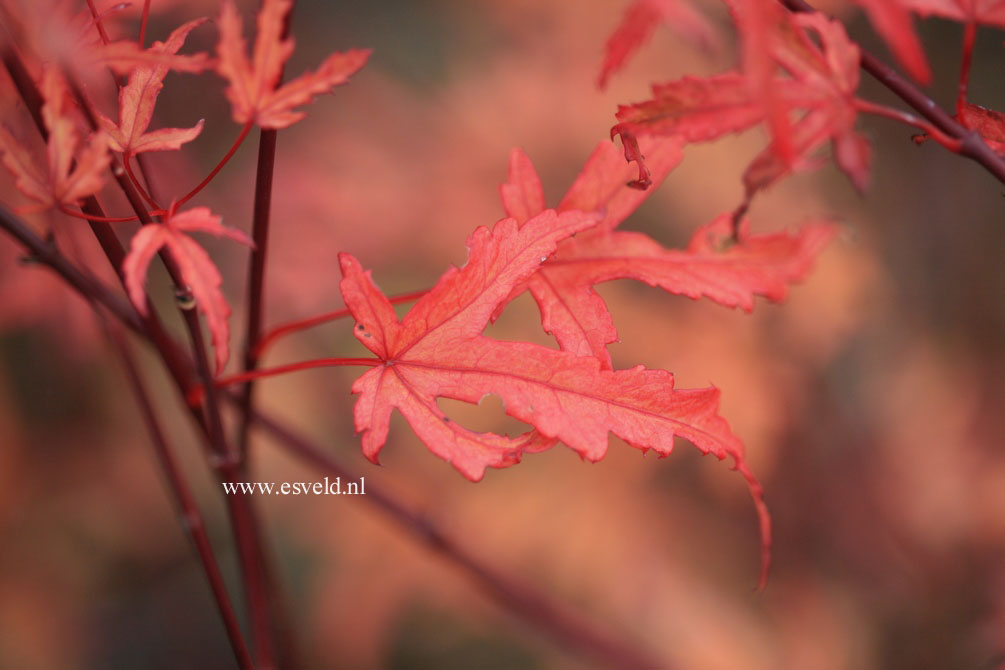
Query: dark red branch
point(525, 601)
point(181, 494)
point(87, 285)
point(256, 274)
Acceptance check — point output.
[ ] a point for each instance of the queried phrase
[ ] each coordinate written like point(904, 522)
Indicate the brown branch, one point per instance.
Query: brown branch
point(48, 254)
point(260, 220)
point(529, 604)
point(240, 508)
point(187, 507)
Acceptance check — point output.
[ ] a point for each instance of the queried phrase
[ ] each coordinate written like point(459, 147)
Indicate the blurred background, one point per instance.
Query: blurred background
point(870, 403)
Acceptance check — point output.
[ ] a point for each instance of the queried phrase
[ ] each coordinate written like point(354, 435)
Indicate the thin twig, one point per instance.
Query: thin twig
point(969, 39)
point(219, 166)
point(181, 494)
point(525, 601)
point(285, 329)
point(260, 220)
point(143, 23)
point(240, 508)
point(243, 526)
point(256, 274)
point(47, 254)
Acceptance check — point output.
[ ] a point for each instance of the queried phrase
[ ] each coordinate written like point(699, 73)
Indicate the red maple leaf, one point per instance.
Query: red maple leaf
point(139, 97)
point(198, 271)
point(252, 92)
point(830, 71)
point(893, 21)
point(124, 55)
point(988, 122)
point(712, 266)
point(819, 78)
point(63, 33)
point(438, 351)
point(640, 21)
point(73, 171)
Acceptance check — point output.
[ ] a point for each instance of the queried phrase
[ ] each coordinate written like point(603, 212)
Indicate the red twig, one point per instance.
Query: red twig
point(99, 219)
point(969, 38)
point(239, 508)
point(285, 329)
point(241, 513)
point(85, 284)
point(97, 22)
point(137, 184)
point(950, 143)
point(242, 377)
point(219, 166)
point(143, 23)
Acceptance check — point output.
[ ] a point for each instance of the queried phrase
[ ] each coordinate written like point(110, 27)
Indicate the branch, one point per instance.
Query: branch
point(285, 329)
point(525, 601)
point(48, 254)
point(188, 509)
point(256, 274)
point(971, 144)
point(240, 509)
point(260, 234)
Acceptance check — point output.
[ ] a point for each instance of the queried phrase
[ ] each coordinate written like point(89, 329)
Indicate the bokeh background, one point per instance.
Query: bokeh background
point(870, 402)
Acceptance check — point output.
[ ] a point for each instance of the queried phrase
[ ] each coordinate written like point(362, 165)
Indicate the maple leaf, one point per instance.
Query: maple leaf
point(638, 24)
point(893, 21)
point(758, 22)
point(73, 171)
point(830, 71)
point(198, 271)
point(438, 351)
point(697, 109)
point(252, 91)
point(122, 56)
point(988, 122)
point(712, 266)
point(139, 97)
point(820, 79)
point(60, 32)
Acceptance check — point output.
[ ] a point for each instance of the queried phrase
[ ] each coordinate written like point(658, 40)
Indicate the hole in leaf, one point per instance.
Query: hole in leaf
point(487, 416)
point(520, 322)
